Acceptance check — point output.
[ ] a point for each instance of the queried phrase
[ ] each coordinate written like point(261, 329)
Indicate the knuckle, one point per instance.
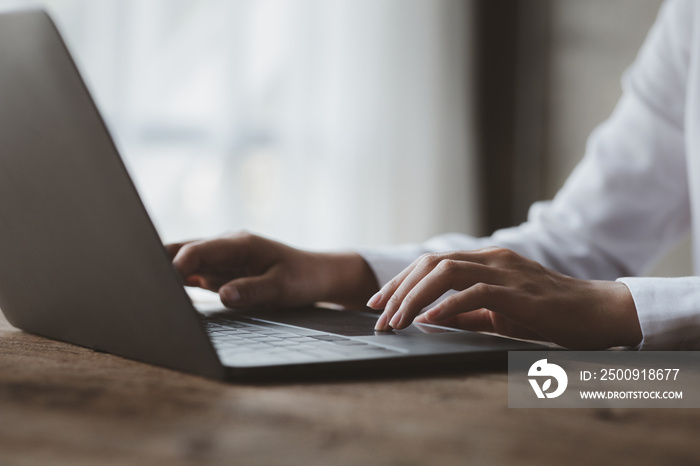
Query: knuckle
point(395, 299)
point(448, 266)
point(243, 235)
point(393, 284)
point(409, 299)
point(429, 260)
point(483, 290)
point(502, 254)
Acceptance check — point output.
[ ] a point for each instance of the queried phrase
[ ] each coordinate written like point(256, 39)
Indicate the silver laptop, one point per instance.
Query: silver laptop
point(81, 262)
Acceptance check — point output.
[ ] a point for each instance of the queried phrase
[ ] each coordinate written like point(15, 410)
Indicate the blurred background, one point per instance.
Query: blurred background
point(336, 123)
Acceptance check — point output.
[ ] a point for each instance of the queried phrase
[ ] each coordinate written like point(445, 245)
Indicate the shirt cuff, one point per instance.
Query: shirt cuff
point(668, 311)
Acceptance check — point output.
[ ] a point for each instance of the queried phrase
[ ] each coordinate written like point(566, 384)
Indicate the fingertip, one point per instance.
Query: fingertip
point(375, 300)
point(396, 321)
point(230, 296)
point(381, 323)
point(185, 261)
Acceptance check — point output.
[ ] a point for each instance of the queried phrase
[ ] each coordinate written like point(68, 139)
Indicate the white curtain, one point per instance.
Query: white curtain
point(324, 123)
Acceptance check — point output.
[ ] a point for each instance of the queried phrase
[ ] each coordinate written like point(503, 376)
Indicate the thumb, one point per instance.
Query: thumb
point(173, 248)
point(251, 291)
point(474, 321)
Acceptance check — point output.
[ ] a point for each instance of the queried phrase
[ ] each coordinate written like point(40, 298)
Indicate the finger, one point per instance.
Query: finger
point(394, 293)
point(447, 275)
point(200, 256)
point(483, 320)
point(379, 300)
point(492, 256)
point(475, 321)
point(495, 298)
point(483, 308)
point(206, 281)
point(173, 248)
point(252, 291)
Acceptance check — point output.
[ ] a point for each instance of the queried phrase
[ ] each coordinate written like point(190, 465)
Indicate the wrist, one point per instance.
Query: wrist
point(345, 278)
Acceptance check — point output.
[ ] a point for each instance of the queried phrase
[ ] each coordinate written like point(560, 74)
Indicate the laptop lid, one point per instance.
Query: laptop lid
point(80, 260)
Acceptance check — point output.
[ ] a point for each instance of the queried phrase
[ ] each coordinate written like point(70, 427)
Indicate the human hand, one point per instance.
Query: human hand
point(501, 292)
point(249, 270)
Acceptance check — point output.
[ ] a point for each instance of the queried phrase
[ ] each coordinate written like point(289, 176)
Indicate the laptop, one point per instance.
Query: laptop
point(81, 262)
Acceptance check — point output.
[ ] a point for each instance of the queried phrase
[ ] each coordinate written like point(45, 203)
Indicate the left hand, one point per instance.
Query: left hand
point(501, 292)
point(249, 270)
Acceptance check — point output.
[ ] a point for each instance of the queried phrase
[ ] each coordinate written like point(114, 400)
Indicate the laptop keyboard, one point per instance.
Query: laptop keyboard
point(247, 343)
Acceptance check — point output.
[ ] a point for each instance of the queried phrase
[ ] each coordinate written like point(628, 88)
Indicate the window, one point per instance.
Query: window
point(324, 123)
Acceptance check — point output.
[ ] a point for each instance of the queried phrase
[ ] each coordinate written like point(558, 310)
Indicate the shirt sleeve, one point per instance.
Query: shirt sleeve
point(668, 311)
point(625, 205)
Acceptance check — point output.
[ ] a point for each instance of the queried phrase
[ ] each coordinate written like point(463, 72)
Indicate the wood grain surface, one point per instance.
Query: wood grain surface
point(61, 404)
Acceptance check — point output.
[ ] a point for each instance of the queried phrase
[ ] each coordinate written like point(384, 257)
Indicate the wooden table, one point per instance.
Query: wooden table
point(61, 404)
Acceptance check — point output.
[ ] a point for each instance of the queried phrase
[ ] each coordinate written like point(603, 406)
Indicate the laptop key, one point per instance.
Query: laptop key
point(233, 338)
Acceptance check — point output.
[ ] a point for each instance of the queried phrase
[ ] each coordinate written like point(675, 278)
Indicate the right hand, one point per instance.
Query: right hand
point(249, 270)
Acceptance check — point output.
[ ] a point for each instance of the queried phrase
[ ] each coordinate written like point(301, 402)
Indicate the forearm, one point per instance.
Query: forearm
point(617, 314)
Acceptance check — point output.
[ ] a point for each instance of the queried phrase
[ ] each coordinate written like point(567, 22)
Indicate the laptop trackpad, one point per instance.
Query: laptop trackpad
point(347, 323)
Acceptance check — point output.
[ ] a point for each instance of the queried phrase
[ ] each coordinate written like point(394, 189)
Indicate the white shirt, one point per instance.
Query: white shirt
point(634, 195)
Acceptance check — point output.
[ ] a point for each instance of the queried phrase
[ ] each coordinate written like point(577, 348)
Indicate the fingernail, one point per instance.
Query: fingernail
point(232, 295)
point(381, 323)
point(374, 300)
point(395, 321)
